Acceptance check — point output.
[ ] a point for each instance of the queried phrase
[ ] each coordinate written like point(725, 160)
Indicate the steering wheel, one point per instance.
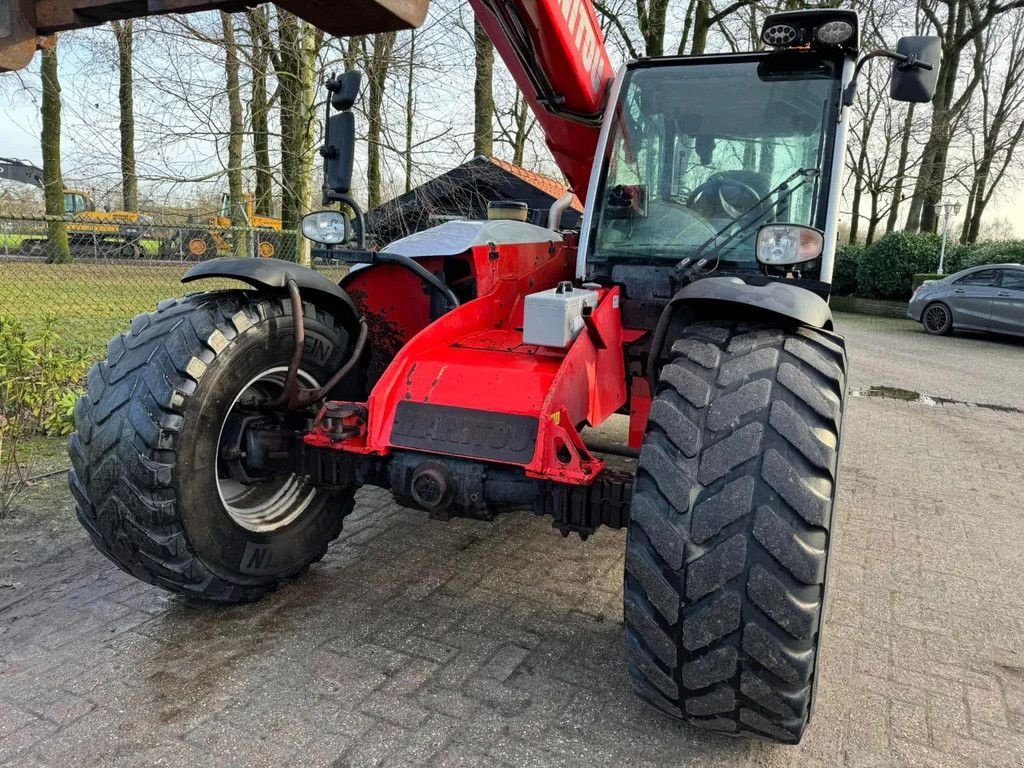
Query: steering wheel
point(723, 196)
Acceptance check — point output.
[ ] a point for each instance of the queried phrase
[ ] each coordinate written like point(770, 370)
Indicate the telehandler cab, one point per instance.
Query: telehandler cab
point(220, 444)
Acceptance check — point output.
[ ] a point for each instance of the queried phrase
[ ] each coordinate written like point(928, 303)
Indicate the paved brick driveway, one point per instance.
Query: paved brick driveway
point(465, 643)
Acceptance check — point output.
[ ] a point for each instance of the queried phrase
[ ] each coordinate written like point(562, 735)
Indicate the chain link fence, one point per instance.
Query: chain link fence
point(114, 269)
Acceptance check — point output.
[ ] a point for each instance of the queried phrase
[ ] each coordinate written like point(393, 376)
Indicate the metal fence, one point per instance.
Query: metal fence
point(113, 270)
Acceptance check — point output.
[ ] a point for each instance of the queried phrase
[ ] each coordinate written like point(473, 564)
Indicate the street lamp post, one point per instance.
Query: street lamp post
point(947, 209)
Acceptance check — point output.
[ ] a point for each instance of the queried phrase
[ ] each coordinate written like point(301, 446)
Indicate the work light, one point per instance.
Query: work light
point(835, 32)
point(325, 227)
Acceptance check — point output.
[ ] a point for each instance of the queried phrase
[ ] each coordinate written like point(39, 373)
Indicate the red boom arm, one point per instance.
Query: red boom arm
point(555, 51)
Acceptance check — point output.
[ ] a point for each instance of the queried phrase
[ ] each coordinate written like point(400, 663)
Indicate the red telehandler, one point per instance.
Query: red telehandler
point(220, 444)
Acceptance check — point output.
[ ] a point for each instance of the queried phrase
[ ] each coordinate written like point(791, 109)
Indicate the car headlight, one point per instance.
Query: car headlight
point(781, 244)
point(325, 227)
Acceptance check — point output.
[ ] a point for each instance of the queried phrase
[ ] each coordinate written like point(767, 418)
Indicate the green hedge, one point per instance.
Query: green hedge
point(889, 268)
point(844, 273)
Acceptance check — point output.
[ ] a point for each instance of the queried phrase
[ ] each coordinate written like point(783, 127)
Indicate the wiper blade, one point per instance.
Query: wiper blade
point(806, 173)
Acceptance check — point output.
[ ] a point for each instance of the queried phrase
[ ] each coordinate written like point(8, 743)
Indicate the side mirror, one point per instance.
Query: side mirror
point(340, 133)
point(910, 81)
point(339, 151)
point(345, 89)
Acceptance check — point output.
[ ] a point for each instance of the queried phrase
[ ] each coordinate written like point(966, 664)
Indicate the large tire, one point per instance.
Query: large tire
point(730, 527)
point(199, 245)
point(151, 484)
point(268, 245)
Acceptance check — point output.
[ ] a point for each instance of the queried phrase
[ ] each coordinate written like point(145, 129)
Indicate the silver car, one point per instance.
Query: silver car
point(986, 298)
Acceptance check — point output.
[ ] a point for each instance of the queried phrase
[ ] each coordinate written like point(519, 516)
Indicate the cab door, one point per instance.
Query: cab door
point(1008, 302)
point(971, 300)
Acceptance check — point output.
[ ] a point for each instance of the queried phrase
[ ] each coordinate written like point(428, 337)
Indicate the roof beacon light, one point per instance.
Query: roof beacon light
point(779, 35)
point(835, 32)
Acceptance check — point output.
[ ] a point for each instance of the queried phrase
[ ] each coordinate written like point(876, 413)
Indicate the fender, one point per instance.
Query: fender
point(273, 275)
point(788, 303)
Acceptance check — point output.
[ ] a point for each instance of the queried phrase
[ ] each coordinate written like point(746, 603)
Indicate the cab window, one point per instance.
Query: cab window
point(984, 277)
point(74, 203)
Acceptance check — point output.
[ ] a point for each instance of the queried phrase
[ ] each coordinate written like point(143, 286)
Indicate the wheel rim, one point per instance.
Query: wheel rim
point(935, 318)
point(266, 249)
point(197, 246)
point(276, 502)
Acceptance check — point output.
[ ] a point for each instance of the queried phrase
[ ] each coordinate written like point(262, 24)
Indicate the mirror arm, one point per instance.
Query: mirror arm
point(904, 62)
point(332, 196)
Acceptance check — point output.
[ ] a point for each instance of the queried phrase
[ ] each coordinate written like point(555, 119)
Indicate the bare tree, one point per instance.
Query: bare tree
point(410, 115)
point(994, 143)
point(123, 35)
point(236, 187)
point(483, 92)
point(53, 180)
point(959, 24)
point(515, 126)
point(259, 109)
point(378, 62)
point(295, 63)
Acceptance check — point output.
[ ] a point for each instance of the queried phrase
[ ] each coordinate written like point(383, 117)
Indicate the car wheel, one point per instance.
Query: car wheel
point(937, 319)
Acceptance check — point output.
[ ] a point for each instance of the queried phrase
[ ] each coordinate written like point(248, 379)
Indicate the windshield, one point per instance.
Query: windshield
point(701, 154)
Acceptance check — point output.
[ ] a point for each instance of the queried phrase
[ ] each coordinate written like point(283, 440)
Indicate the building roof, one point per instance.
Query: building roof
point(464, 193)
point(545, 184)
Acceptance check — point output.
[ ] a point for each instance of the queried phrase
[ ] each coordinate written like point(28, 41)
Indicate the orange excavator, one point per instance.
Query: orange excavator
point(463, 368)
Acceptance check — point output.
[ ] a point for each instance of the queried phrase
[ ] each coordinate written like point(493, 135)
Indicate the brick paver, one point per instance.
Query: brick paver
point(465, 643)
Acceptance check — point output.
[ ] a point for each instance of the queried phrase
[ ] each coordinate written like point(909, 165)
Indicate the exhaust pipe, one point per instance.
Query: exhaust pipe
point(557, 209)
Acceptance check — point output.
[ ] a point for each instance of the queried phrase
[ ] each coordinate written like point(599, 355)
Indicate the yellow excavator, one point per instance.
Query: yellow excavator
point(90, 231)
point(217, 238)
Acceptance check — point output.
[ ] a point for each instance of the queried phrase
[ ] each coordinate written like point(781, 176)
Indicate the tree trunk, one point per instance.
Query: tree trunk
point(864, 138)
point(377, 75)
point(701, 25)
point(260, 111)
point(483, 93)
point(901, 170)
point(963, 29)
point(652, 26)
point(53, 183)
point(236, 189)
point(522, 114)
point(876, 217)
point(296, 74)
point(409, 115)
point(352, 52)
point(123, 31)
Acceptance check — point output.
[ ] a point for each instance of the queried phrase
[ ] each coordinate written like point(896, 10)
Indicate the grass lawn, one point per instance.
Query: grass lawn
point(95, 300)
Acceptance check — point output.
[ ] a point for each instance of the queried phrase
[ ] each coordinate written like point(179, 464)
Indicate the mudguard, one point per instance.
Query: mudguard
point(273, 275)
point(788, 302)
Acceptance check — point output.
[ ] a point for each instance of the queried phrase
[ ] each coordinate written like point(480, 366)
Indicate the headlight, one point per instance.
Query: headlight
point(782, 244)
point(325, 227)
